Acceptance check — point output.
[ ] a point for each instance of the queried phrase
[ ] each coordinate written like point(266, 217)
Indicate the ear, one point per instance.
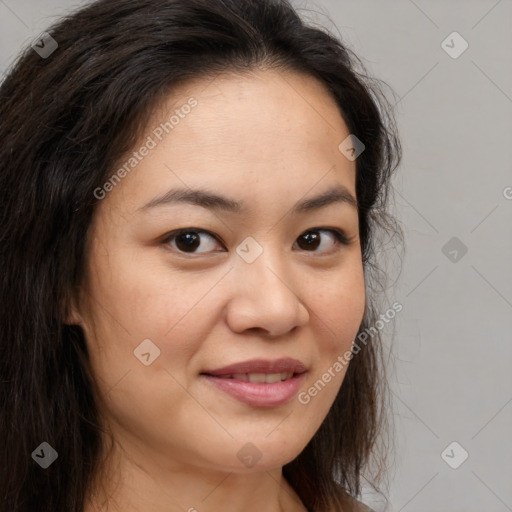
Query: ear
point(72, 315)
point(73, 318)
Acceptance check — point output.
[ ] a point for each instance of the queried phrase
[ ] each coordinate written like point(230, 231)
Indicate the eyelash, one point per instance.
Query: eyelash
point(340, 236)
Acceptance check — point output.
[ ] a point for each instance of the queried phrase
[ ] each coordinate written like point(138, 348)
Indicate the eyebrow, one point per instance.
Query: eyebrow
point(213, 201)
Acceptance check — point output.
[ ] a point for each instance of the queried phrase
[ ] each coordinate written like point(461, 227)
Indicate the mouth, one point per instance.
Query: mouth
point(258, 383)
point(260, 369)
point(260, 378)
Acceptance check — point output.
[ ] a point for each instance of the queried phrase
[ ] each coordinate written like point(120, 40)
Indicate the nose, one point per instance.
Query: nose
point(265, 297)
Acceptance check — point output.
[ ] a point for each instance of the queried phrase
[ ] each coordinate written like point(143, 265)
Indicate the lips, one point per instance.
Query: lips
point(259, 382)
point(259, 366)
point(267, 378)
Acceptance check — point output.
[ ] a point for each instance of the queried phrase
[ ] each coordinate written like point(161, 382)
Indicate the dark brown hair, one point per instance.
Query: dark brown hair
point(65, 121)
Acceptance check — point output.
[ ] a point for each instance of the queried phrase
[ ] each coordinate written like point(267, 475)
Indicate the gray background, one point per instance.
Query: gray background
point(451, 379)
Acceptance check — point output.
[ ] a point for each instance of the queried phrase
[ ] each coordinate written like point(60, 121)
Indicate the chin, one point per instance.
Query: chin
point(245, 456)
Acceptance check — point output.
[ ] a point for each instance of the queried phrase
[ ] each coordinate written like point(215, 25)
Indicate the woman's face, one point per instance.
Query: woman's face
point(263, 282)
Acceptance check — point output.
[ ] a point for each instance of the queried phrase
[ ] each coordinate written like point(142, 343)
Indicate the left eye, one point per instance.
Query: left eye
point(313, 239)
point(187, 240)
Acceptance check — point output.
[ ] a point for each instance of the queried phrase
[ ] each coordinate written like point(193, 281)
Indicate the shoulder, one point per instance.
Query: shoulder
point(361, 507)
point(350, 504)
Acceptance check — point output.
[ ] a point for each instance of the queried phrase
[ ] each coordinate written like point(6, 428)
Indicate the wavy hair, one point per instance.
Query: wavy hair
point(65, 122)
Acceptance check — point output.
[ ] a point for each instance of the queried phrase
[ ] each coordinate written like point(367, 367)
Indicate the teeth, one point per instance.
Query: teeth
point(241, 376)
point(268, 378)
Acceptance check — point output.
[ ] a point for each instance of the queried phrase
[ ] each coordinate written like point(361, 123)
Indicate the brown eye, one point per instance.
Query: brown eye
point(311, 239)
point(188, 240)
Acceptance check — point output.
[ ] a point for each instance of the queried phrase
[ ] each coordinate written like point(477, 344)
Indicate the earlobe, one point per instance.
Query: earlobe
point(73, 318)
point(72, 315)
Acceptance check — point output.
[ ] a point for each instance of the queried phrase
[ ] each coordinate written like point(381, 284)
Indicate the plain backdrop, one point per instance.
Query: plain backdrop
point(452, 384)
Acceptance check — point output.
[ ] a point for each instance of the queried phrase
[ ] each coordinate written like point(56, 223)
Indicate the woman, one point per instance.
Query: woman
point(191, 192)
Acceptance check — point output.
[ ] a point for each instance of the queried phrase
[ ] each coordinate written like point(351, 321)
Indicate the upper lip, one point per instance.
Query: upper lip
point(284, 365)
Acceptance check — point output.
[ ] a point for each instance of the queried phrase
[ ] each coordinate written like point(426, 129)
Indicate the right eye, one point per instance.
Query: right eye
point(187, 240)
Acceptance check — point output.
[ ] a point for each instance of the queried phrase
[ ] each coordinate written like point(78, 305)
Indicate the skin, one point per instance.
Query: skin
point(269, 139)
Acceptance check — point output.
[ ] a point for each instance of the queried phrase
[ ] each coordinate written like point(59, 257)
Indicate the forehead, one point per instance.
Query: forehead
point(245, 135)
point(255, 106)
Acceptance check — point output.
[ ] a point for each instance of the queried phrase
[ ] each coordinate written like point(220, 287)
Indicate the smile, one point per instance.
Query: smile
point(257, 389)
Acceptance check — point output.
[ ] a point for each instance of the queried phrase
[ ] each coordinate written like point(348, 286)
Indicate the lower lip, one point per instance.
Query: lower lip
point(259, 394)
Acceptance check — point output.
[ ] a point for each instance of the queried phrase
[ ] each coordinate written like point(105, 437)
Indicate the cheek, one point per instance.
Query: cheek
point(340, 307)
point(146, 312)
point(135, 302)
